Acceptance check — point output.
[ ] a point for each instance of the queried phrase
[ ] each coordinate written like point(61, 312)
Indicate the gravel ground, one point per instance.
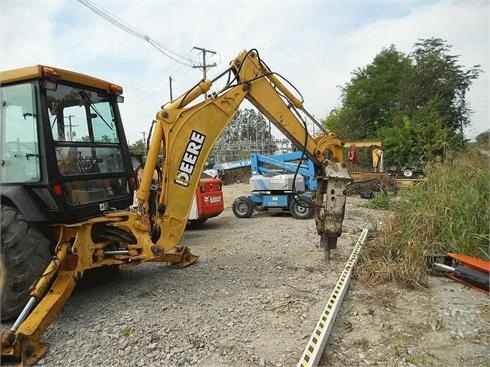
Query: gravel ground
point(254, 298)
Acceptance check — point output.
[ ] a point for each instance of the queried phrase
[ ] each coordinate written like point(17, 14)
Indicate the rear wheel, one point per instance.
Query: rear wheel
point(302, 208)
point(24, 257)
point(408, 173)
point(243, 207)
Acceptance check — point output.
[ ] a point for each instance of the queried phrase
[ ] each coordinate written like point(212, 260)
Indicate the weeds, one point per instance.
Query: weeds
point(399, 343)
point(417, 359)
point(381, 200)
point(126, 331)
point(448, 213)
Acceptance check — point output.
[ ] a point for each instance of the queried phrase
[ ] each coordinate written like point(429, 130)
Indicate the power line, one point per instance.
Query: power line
point(134, 32)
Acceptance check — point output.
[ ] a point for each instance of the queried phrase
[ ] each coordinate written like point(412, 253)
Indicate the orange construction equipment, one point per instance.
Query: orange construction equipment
point(467, 270)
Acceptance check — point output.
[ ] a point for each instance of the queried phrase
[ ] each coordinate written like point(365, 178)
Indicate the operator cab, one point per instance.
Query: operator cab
point(63, 152)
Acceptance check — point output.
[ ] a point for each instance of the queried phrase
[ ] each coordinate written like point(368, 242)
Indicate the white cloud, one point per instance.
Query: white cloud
point(316, 45)
point(24, 34)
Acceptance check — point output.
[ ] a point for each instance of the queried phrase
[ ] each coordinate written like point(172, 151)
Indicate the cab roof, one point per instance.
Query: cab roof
point(43, 71)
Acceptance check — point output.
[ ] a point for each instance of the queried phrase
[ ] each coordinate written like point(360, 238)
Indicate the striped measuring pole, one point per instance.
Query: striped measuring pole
point(314, 349)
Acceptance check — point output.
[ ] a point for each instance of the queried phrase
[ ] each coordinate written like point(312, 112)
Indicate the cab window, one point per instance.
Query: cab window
point(84, 130)
point(19, 148)
point(85, 134)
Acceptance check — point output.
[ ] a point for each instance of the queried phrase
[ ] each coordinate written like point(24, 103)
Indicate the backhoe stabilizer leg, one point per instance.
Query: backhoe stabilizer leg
point(52, 290)
point(180, 256)
point(27, 351)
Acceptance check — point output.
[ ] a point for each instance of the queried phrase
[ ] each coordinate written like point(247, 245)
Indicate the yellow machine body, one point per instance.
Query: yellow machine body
point(186, 130)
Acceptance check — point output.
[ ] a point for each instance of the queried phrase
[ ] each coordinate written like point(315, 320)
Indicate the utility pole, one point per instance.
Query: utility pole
point(314, 126)
point(170, 84)
point(70, 126)
point(204, 66)
point(144, 144)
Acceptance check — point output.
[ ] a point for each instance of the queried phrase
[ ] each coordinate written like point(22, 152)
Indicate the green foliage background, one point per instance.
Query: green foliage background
point(415, 104)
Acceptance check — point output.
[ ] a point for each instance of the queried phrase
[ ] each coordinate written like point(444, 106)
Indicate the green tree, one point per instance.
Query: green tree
point(437, 77)
point(347, 123)
point(138, 147)
point(371, 97)
point(417, 99)
point(483, 138)
point(106, 139)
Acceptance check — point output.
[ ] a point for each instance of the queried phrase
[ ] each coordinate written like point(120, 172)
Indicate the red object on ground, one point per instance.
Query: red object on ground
point(479, 267)
point(471, 262)
point(209, 197)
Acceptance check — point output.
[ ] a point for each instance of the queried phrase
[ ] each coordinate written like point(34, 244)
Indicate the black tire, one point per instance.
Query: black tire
point(302, 208)
point(242, 207)
point(24, 257)
point(408, 173)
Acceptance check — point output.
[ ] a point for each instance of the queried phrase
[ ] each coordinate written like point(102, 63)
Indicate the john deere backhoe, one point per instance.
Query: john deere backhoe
point(67, 181)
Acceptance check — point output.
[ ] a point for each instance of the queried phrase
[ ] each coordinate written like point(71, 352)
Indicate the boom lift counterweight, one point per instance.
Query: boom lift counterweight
point(186, 130)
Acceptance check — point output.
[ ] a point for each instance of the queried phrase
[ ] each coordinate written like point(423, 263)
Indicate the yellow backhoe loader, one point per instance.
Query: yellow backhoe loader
point(67, 181)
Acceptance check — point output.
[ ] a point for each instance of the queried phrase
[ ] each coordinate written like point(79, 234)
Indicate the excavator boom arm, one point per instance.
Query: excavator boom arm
point(185, 131)
point(274, 100)
point(188, 133)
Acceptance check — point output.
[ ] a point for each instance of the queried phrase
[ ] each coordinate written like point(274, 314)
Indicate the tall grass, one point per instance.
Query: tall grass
point(448, 213)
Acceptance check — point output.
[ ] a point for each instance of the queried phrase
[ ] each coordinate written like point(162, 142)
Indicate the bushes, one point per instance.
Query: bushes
point(448, 213)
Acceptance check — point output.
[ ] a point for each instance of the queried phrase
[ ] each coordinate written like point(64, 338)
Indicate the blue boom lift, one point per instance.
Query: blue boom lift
point(283, 181)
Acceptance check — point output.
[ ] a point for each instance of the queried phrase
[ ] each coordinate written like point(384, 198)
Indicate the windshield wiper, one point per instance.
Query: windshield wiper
point(87, 99)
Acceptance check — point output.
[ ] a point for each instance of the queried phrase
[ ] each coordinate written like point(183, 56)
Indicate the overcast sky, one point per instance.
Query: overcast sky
point(314, 44)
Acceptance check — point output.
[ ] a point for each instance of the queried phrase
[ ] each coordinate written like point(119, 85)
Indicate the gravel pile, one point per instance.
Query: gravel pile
point(252, 299)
